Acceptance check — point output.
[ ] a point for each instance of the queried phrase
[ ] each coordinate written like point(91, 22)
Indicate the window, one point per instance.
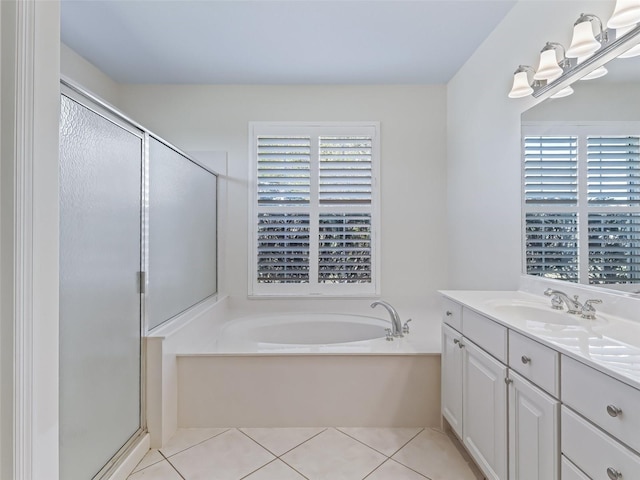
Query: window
point(581, 191)
point(314, 217)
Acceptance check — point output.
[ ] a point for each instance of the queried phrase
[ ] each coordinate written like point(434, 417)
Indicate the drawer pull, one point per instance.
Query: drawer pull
point(613, 473)
point(613, 411)
point(525, 359)
point(449, 313)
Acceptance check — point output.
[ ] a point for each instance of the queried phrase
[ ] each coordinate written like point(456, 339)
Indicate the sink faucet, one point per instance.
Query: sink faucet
point(557, 297)
point(588, 311)
point(395, 318)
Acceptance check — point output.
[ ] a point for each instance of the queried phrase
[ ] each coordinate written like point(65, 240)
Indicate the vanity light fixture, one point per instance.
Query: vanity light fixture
point(549, 67)
point(584, 42)
point(625, 14)
point(565, 92)
point(633, 51)
point(521, 86)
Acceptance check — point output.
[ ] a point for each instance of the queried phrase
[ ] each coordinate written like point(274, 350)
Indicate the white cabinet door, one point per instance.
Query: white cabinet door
point(452, 378)
point(484, 410)
point(534, 443)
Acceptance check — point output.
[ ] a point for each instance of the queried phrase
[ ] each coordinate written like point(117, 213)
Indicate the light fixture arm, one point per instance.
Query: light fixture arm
point(590, 17)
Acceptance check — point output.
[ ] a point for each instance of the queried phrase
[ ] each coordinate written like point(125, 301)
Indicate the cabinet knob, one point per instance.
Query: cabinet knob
point(613, 473)
point(449, 313)
point(458, 342)
point(525, 359)
point(613, 411)
point(508, 381)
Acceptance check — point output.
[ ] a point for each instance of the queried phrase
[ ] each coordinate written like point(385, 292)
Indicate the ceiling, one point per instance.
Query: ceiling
point(279, 42)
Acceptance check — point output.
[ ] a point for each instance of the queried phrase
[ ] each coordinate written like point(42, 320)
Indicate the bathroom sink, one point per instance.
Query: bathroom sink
point(530, 311)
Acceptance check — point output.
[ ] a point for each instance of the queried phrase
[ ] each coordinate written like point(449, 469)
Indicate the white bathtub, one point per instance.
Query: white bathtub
point(232, 367)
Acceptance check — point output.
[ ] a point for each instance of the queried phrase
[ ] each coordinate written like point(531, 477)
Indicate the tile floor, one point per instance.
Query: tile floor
point(306, 453)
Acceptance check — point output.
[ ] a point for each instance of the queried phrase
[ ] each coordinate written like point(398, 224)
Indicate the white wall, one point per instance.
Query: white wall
point(76, 68)
point(413, 161)
point(483, 148)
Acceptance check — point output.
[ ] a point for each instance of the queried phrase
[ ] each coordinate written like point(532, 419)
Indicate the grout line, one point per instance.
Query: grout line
point(259, 444)
point(202, 441)
point(375, 450)
point(172, 465)
point(395, 461)
point(294, 469)
point(383, 462)
point(292, 448)
point(259, 468)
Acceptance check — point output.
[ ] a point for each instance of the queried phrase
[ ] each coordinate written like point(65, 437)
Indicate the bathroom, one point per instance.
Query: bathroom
point(472, 106)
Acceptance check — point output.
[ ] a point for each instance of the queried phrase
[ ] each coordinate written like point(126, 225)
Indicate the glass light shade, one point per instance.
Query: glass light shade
point(565, 92)
point(521, 87)
point(597, 73)
point(584, 42)
point(548, 68)
point(625, 14)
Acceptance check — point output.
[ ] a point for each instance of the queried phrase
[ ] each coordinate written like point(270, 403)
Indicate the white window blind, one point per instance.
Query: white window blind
point(581, 196)
point(314, 203)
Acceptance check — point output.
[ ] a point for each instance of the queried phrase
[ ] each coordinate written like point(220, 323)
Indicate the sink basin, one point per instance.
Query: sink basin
point(531, 311)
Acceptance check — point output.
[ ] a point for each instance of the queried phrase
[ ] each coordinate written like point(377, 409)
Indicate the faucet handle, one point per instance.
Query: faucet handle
point(556, 303)
point(588, 311)
point(405, 327)
point(389, 335)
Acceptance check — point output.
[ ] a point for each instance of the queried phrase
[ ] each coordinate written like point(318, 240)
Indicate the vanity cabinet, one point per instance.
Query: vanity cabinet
point(534, 448)
point(474, 392)
point(528, 411)
point(507, 424)
point(601, 422)
point(451, 389)
point(484, 407)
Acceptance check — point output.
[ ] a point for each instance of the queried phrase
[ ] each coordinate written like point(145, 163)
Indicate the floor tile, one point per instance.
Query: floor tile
point(433, 454)
point(385, 440)
point(391, 470)
point(228, 456)
point(280, 440)
point(158, 471)
point(276, 470)
point(188, 437)
point(152, 456)
point(332, 455)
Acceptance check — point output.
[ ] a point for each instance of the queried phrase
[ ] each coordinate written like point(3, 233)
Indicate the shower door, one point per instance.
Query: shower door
point(100, 303)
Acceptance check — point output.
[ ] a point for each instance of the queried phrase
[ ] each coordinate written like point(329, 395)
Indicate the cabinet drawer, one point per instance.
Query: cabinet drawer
point(452, 314)
point(596, 396)
point(594, 452)
point(486, 333)
point(570, 471)
point(535, 362)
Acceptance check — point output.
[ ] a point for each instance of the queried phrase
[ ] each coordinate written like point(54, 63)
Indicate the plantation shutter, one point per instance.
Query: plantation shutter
point(551, 170)
point(315, 210)
point(582, 204)
point(613, 169)
point(551, 180)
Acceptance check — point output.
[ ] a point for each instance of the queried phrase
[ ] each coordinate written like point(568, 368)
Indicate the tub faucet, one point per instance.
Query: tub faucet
point(395, 318)
point(573, 305)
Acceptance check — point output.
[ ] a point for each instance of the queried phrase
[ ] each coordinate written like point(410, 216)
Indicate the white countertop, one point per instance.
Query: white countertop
point(610, 344)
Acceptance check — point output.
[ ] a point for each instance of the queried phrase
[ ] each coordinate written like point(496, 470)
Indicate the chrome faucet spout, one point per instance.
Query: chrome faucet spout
point(573, 305)
point(395, 318)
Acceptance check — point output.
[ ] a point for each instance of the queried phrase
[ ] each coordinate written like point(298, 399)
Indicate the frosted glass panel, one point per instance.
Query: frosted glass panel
point(100, 179)
point(182, 234)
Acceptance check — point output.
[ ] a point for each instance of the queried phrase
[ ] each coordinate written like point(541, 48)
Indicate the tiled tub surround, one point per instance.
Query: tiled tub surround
point(306, 453)
point(195, 381)
point(585, 374)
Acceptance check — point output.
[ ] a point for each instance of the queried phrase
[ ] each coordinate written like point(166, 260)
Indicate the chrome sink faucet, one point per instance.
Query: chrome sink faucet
point(396, 324)
point(588, 311)
point(558, 298)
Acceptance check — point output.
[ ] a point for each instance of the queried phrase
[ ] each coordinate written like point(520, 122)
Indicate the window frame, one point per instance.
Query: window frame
point(313, 288)
point(581, 130)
